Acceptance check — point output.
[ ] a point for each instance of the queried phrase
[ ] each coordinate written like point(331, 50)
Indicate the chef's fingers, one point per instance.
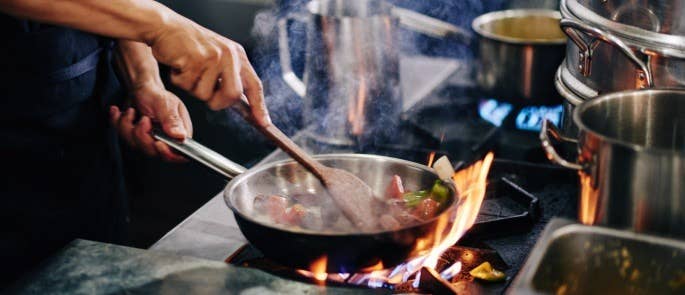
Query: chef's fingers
point(125, 126)
point(142, 134)
point(254, 91)
point(206, 84)
point(167, 154)
point(114, 115)
point(230, 87)
point(185, 117)
point(166, 111)
point(188, 78)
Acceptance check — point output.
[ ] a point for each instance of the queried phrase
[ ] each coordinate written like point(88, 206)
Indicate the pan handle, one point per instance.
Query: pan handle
point(202, 155)
point(571, 28)
point(548, 128)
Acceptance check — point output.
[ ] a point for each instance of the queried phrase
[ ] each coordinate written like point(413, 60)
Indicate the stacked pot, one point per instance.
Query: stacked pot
point(617, 45)
point(623, 81)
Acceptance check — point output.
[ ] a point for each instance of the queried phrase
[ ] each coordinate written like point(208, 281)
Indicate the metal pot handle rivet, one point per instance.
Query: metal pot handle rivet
point(571, 28)
point(548, 129)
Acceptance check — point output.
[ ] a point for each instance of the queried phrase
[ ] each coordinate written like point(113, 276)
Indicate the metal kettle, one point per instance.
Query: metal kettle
point(351, 82)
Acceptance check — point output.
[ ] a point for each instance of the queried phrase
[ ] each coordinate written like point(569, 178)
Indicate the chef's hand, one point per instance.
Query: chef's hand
point(211, 67)
point(153, 103)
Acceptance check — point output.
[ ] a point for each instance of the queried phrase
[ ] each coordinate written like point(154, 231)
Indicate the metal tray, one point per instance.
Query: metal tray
point(575, 259)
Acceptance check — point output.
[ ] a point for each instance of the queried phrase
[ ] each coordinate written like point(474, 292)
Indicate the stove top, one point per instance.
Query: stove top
point(524, 190)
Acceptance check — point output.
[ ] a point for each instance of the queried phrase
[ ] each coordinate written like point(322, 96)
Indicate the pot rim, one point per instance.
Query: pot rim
point(489, 17)
point(615, 96)
point(242, 177)
point(650, 42)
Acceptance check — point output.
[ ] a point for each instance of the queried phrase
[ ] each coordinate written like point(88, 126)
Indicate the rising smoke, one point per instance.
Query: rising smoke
point(286, 107)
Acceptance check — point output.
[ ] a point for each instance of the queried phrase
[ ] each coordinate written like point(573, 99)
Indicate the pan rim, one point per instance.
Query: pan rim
point(240, 178)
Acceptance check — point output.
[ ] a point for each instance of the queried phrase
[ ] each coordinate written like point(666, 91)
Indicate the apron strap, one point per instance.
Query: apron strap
point(83, 66)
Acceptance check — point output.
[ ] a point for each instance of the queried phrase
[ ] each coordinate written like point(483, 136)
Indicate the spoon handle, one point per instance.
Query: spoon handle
point(282, 140)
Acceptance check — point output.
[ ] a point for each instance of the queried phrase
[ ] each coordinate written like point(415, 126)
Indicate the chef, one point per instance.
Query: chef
point(59, 119)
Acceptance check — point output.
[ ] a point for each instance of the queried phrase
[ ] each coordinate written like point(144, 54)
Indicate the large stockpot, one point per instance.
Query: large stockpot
point(631, 160)
point(518, 53)
point(624, 45)
point(299, 248)
point(351, 83)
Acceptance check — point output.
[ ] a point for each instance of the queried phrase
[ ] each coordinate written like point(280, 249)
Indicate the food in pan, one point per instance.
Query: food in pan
point(397, 208)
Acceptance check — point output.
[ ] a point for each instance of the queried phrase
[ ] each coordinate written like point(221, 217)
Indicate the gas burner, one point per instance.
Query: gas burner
point(450, 275)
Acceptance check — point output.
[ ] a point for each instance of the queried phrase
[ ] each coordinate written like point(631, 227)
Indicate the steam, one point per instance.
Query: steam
point(286, 107)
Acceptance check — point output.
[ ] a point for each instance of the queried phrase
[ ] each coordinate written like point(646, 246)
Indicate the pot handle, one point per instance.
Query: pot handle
point(430, 26)
point(548, 128)
point(570, 27)
point(202, 155)
point(288, 74)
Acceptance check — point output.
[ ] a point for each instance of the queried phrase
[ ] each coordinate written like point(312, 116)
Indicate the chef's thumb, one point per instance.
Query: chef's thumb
point(171, 122)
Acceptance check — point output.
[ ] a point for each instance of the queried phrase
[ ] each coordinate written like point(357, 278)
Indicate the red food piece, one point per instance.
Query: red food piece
point(399, 211)
point(275, 207)
point(426, 209)
point(395, 189)
point(295, 214)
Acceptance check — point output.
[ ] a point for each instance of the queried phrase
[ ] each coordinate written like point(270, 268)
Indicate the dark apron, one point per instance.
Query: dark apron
point(59, 154)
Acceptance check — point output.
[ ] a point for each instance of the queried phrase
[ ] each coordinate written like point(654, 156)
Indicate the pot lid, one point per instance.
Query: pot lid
point(653, 26)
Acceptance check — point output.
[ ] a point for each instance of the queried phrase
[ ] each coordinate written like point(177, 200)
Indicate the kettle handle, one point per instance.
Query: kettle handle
point(430, 26)
point(288, 74)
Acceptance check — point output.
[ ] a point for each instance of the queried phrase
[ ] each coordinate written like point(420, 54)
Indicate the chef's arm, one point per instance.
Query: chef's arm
point(139, 20)
point(211, 67)
point(137, 65)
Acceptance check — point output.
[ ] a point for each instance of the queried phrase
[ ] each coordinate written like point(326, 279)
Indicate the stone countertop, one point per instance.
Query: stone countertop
point(212, 233)
point(85, 267)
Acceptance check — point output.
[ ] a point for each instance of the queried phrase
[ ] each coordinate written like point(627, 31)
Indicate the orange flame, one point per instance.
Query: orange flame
point(318, 269)
point(431, 158)
point(471, 183)
point(589, 198)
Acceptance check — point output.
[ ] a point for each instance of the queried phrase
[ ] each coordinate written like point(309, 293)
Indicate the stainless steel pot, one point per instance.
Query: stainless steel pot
point(631, 162)
point(351, 83)
point(519, 50)
point(621, 45)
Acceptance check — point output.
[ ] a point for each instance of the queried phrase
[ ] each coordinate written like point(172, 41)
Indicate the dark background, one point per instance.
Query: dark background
point(161, 195)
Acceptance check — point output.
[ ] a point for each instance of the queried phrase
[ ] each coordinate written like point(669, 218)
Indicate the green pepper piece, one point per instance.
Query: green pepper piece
point(440, 192)
point(412, 199)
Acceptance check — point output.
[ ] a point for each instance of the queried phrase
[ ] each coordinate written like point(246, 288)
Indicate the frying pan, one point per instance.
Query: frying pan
point(345, 252)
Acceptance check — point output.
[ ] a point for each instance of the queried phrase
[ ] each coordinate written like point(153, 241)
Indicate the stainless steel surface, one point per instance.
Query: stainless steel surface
point(547, 130)
point(632, 154)
point(288, 178)
point(575, 259)
point(519, 69)
point(430, 26)
point(203, 155)
point(351, 83)
point(657, 22)
point(644, 55)
point(351, 78)
point(573, 30)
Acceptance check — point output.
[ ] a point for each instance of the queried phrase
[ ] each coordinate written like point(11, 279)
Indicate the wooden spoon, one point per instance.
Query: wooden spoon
point(354, 197)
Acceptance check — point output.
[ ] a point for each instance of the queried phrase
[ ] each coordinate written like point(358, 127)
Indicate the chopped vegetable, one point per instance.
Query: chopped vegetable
point(426, 209)
point(395, 190)
point(444, 168)
point(439, 192)
point(486, 272)
point(414, 198)
point(295, 214)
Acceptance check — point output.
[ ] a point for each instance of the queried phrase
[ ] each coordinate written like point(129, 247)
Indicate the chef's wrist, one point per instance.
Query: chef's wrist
point(139, 66)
